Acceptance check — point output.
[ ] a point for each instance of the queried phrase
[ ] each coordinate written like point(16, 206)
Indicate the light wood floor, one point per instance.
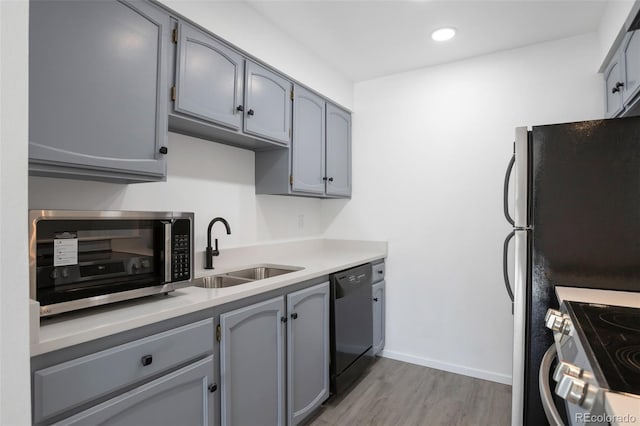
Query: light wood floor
point(397, 393)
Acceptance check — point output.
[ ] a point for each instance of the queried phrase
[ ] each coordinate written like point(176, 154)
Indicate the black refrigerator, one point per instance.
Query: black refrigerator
point(576, 219)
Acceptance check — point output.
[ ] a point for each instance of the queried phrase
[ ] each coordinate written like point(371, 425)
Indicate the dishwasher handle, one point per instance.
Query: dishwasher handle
point(553, 416)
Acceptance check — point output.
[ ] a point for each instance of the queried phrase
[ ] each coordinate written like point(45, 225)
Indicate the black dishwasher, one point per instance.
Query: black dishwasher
point(351, 326)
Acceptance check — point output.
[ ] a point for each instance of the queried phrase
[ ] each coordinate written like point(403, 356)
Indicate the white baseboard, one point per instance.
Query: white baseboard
point(452, 368)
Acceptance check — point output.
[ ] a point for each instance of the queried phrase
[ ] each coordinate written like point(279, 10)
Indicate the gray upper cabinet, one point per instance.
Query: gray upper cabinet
point(630, 53)
point(613, 88)
point(179, 398)
point(622, 79)
point(267, 104)
point(307, 351)
point(209, 79)
point(308, 144)
point(318, 164)
point(252, 365)
point(219, 95)
point(97, 98)
point(338, 152)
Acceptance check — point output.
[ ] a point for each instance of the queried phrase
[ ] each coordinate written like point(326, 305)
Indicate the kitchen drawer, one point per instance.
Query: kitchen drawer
point(72, 383)
point(378, 272)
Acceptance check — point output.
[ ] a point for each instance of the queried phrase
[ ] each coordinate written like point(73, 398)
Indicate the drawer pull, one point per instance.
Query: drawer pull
point(375, 299)
point(146, 360)
point(213, 387)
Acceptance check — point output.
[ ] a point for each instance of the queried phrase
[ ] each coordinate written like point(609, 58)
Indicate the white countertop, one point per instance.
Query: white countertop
point(317, 257)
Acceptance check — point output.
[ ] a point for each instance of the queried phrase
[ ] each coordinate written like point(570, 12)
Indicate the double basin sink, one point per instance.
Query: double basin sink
point(244, 276)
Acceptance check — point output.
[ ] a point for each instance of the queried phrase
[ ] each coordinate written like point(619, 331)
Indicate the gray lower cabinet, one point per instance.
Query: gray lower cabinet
point(179, 398)
point(267, 106)
point(378, 291)
point(163, 378)
point(97, 98)
point(307, 351)
point(338, 152)
point(252, 364)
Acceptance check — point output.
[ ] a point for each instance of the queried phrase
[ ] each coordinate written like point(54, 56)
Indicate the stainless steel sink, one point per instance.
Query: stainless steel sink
point(244, 276)
point(262, 272)
point(219, 281)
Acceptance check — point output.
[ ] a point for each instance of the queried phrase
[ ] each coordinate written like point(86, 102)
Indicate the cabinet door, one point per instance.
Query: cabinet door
point(613, 88)
point(180, 398)
point(209, 79)
point(378, 317)
point(97, 79)
point(252, 365)
point(338, 152)
point(631, 60)
point(307, 145)
point(267, 104)
point(307, 351)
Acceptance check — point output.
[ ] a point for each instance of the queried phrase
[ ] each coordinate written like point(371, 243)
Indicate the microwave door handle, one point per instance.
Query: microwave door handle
point(550, 409)
point(505, 201)
point(167, 252)
point(505, 268)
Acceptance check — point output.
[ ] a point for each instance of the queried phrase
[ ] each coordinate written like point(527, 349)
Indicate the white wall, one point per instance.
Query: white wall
point(430, 149)
point(15, 399)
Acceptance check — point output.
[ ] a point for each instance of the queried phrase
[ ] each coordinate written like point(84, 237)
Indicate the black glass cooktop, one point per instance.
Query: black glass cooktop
point(613, 334)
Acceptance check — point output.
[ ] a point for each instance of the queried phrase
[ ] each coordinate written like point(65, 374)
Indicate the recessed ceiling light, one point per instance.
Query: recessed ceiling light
point(443, 34)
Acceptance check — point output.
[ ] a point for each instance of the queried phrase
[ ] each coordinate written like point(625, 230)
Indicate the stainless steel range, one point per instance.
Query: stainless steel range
point(598, 370)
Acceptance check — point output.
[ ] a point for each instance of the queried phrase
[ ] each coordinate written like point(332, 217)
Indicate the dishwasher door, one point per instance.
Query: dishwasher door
point(351, 325)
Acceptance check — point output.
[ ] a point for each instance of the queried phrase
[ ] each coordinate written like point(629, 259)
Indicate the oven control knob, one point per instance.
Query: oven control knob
point(145, 263)
point(568, 369)
point(571, 389)
point(65, 273)
point(557, 322)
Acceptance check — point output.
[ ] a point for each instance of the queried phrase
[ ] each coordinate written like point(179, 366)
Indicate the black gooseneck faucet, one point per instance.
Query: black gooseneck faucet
point(214, 251)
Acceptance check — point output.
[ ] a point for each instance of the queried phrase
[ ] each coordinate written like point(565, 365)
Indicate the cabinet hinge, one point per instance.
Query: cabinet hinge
point(291, 180)
point(173, 93)
point(291, 94)
point(174, 36)
point(218, 333)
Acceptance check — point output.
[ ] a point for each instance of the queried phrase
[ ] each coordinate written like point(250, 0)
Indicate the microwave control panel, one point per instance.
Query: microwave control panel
point(181, 250)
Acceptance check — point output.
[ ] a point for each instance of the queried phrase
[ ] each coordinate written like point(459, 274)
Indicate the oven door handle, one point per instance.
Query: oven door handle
point(545, 388)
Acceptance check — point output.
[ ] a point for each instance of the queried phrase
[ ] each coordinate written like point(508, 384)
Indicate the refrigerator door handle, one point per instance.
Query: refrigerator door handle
point(505, 266)
point(505, 202)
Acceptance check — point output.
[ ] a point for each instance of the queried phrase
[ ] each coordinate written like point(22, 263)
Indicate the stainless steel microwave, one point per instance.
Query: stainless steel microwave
point(79, 259)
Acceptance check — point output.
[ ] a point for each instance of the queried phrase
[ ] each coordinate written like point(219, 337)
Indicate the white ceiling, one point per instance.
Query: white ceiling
point(370, 38)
